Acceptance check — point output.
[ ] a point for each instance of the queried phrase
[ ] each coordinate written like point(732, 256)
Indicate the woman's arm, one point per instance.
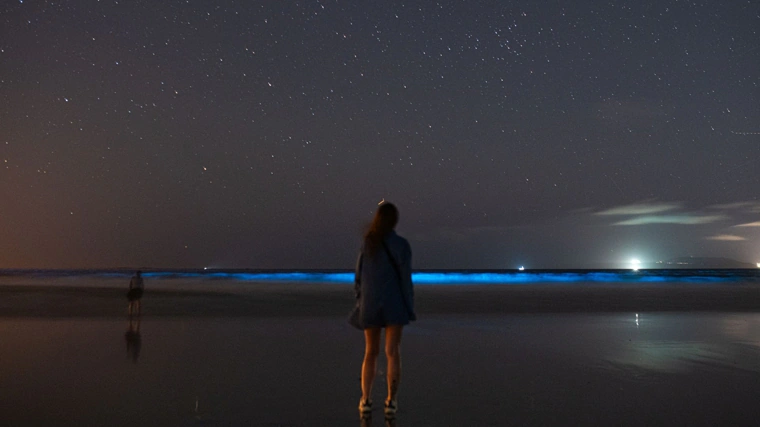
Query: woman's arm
point(408, 270)
point(358, 276)
point(408, 280)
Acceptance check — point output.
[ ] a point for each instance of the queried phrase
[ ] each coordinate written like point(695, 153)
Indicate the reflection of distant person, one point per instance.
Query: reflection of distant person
point(136, 286)
point(385, 299)
point(132, 336)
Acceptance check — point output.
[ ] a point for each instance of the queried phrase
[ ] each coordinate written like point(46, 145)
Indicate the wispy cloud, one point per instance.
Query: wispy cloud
point(640, 209)
point(749, 224)
point(727, 238)
point(683, 219)
point(739, 206)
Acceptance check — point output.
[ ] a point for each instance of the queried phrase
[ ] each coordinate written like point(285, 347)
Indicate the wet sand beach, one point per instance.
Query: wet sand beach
point(283, 355)
point(70, 297)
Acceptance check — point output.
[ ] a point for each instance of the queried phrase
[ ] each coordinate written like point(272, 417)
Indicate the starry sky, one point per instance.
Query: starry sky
point(263, 134)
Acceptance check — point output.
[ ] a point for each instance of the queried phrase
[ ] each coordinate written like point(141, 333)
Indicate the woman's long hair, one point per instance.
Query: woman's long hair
point(383, 223)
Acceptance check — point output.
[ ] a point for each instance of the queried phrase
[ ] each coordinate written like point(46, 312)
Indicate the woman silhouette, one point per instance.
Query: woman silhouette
point(385, 299)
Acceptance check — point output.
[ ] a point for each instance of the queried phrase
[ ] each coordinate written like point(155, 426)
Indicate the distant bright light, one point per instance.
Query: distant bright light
point(758, 265)
point(523, 268)
point(635, 264)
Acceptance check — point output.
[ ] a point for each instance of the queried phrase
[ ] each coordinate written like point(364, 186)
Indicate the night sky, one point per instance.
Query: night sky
point(263, 134)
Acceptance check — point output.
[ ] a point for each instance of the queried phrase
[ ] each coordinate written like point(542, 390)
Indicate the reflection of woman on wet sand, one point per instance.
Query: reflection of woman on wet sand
point(367, 422)
point(132, 336)
point(136, 286)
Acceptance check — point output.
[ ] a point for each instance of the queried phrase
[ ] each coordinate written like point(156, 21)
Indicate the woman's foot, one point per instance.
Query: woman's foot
point(365, 406)
point(391, 406)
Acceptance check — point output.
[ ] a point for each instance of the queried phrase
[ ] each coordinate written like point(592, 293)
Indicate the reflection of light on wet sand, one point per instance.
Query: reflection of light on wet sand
point(678, 343)
point(667, 356)
point(744, 327)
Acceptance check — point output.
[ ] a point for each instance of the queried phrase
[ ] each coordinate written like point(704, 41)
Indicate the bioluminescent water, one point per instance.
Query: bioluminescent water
point(431, 277)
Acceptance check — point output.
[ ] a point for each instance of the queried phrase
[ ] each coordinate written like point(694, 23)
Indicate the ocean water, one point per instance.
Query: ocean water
point(432, 277)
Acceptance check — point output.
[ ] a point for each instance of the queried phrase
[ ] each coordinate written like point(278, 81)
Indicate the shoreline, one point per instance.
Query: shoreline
point(328, 300)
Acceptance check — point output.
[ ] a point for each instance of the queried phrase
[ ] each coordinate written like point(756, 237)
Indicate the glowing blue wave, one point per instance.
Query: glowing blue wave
point(431, 277)
point(495, 277)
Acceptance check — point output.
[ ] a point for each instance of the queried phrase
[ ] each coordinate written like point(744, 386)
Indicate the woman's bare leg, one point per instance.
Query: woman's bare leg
point(371, 350)
point(393, 354)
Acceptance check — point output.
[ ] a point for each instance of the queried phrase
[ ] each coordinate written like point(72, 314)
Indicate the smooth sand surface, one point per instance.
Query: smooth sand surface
point(282, 355)
point(72, 297)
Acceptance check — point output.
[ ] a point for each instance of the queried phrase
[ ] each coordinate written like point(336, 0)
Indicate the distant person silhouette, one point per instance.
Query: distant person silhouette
point(135, 293)
point(132, 336)
point(385, 299)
